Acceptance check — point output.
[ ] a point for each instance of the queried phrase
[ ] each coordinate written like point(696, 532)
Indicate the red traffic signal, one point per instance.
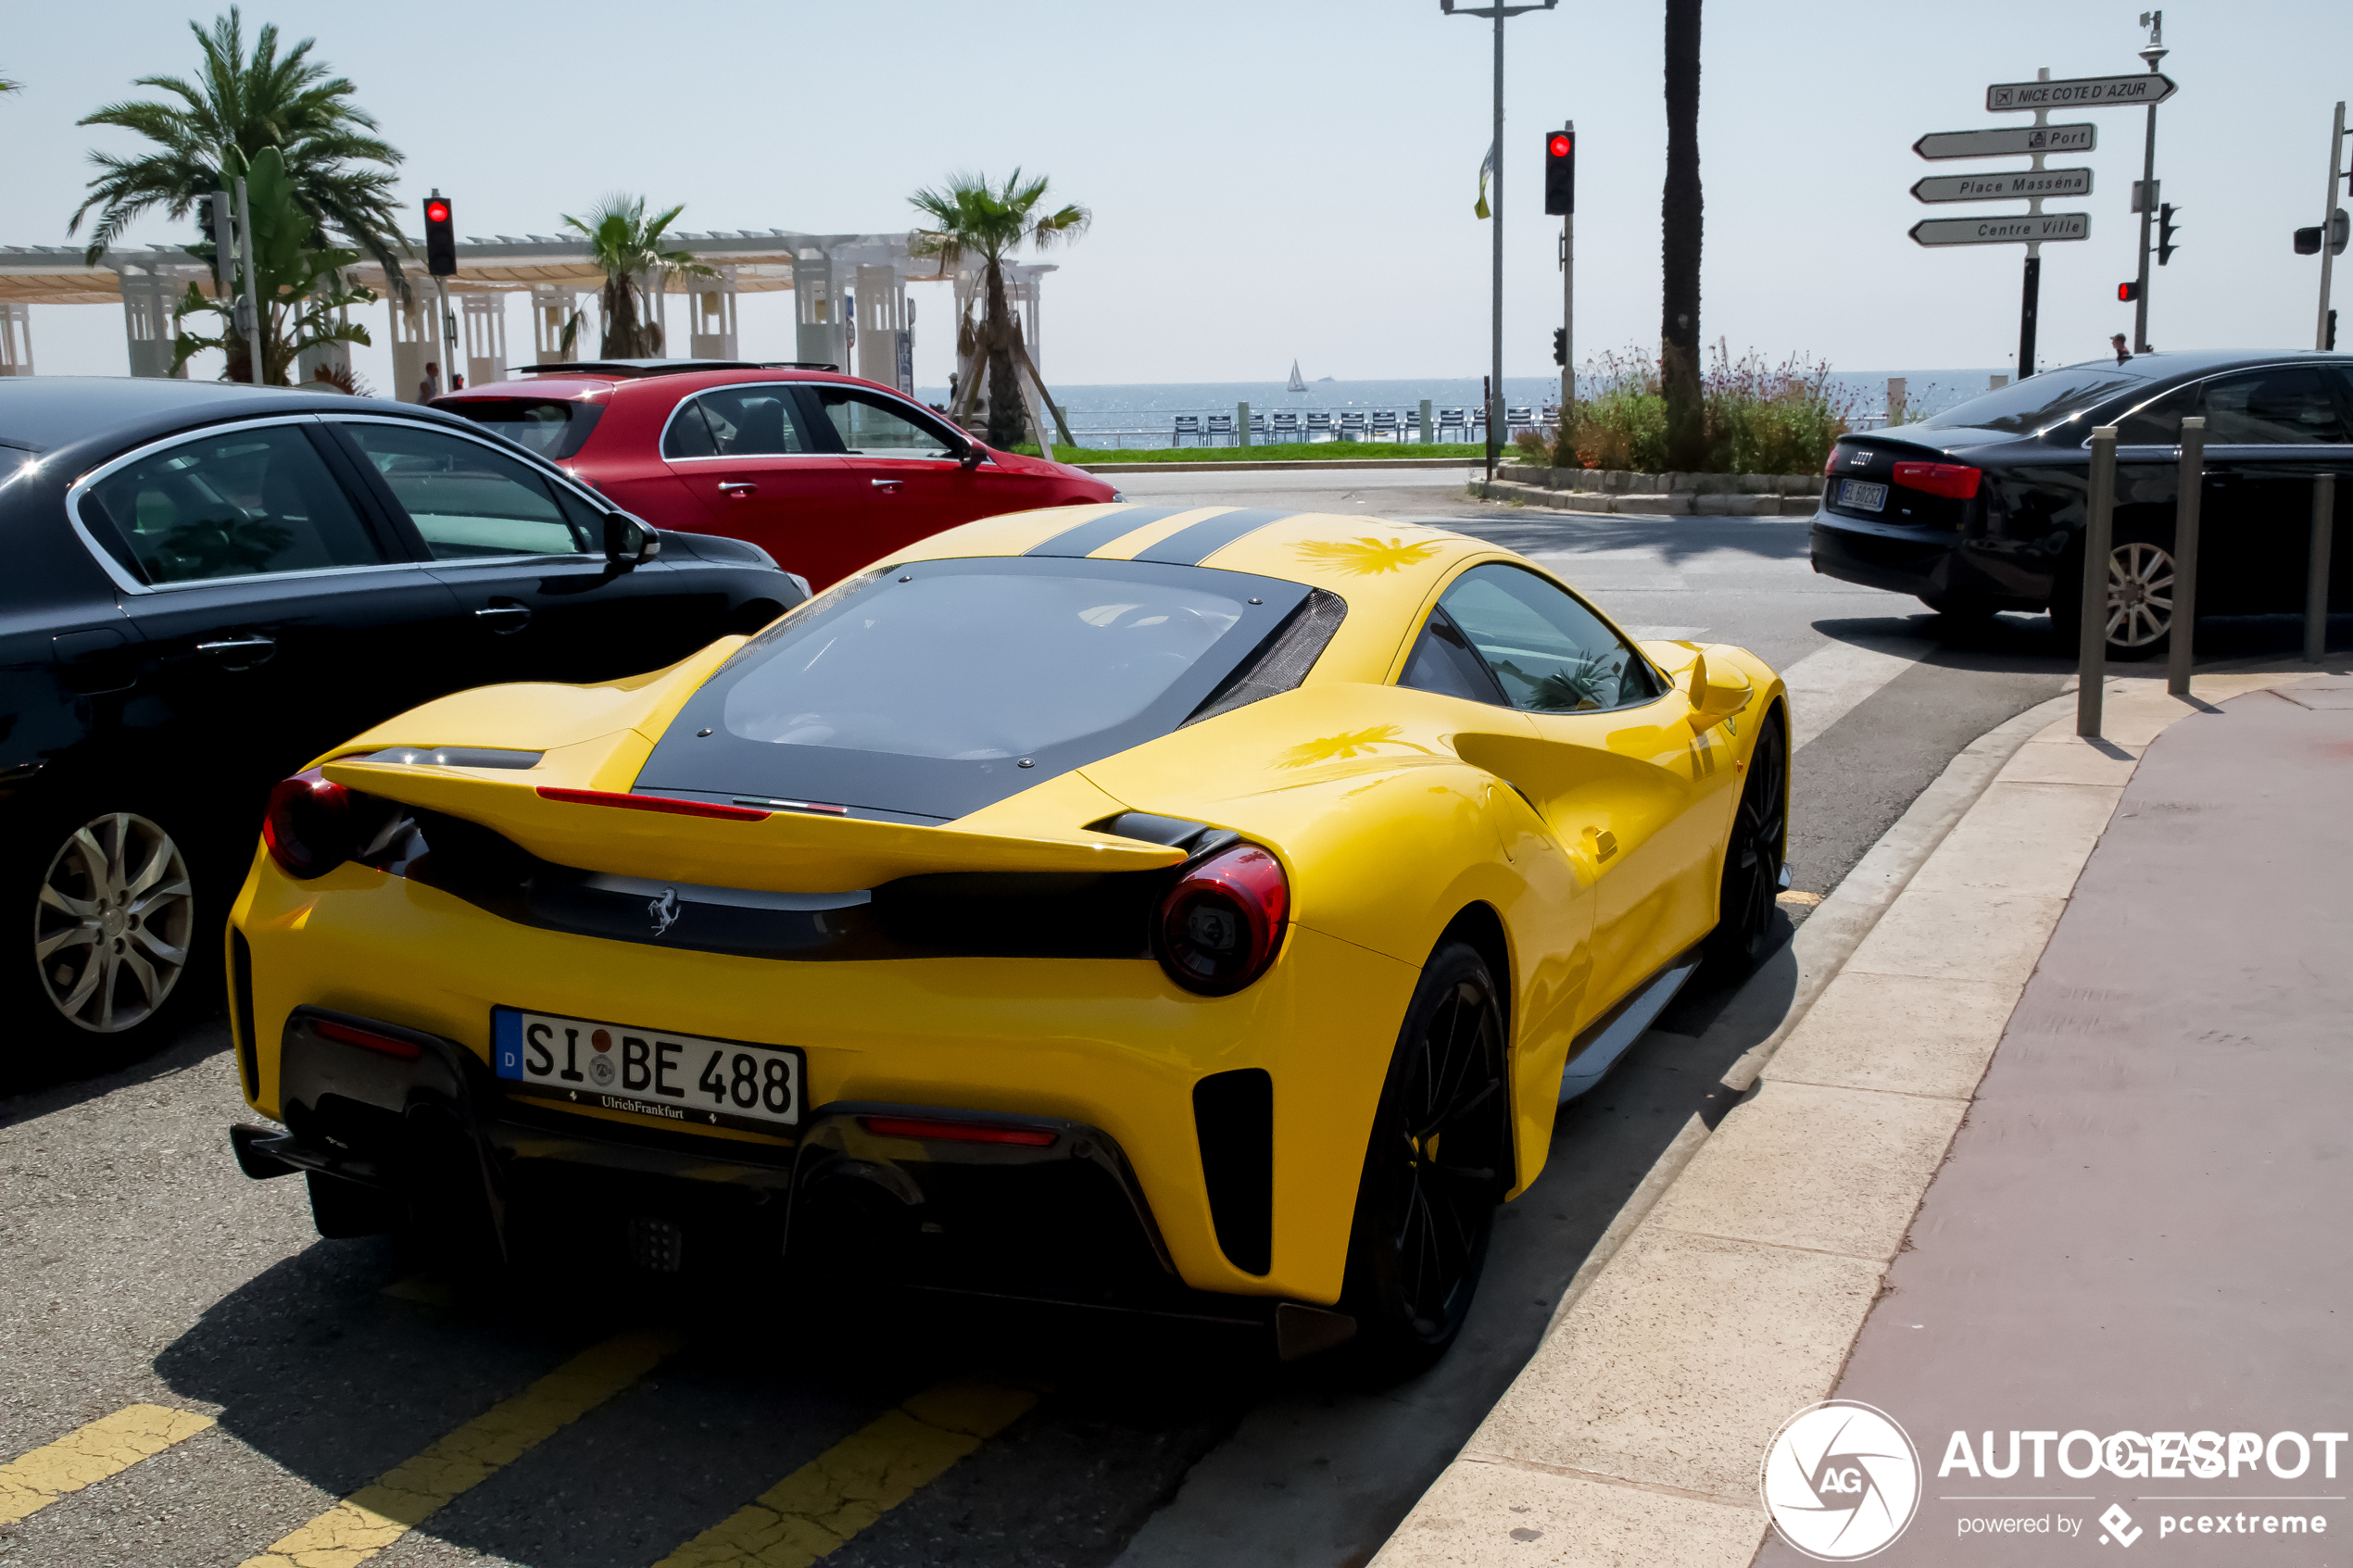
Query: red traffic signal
point(1560, 173)
point(441, 243)
point(2127, 291)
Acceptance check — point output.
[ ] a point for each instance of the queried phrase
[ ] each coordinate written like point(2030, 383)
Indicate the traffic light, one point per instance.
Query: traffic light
point(1560, 173)
point(2307, 240)
point(2165, 227)
point(1560, 346)
point(2128, 291)
point(441, 243)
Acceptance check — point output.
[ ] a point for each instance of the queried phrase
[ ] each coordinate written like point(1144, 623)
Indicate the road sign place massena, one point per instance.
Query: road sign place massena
point(2031, 140)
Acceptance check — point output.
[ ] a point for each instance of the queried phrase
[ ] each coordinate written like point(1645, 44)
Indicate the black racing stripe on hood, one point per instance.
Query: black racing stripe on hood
point(1191, 547)
point(1094, 532)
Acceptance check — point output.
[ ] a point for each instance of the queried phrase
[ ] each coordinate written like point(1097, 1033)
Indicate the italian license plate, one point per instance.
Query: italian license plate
point(682, 1080)
point(1861, 494)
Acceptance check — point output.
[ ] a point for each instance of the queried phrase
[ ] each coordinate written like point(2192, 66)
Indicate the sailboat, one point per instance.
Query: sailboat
point(1296, 384)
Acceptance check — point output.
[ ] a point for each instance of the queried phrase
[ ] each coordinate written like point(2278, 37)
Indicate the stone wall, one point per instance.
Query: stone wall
point(1666, 495)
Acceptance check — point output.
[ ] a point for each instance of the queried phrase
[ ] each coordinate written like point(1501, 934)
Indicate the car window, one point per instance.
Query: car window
point(2041, 400)
point(553, 427)
point(468, 501)
point(2285, 405)
point(748, 421)
point(232, 505)
point(2159, 421)
point(1549, 653)
point(874, 427)
point(1443, 662)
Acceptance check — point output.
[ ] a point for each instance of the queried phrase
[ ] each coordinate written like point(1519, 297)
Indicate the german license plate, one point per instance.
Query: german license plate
point(683, 1080)
point(1861, 494)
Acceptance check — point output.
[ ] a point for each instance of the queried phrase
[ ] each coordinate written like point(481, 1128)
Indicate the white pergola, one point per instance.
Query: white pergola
point(849, 290)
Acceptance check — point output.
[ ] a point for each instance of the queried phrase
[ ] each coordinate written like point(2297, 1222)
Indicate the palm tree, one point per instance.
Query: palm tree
point(240, 103)
point(627, 246)
point(1679, 215)
point(970, 219)
point(9, 87)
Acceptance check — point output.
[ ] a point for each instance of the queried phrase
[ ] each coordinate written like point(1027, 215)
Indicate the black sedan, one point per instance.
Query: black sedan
point(210, 584)
point(1982, 507)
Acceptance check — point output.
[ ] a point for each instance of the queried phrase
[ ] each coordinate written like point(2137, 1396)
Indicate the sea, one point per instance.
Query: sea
point(1143, 414)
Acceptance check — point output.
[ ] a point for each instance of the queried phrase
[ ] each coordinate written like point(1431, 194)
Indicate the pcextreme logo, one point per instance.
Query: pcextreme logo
point(1842, 1480)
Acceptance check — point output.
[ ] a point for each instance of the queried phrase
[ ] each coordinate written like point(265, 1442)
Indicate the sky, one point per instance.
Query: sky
point(1272, 181)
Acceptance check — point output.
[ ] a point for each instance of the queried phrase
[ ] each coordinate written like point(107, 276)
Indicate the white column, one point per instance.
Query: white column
point(716, 336)
point(16, 339)
point(148, 294)
point(552, 305)
point(483, 319)
point(882, 301)
point(818, 336)
point(412, 344)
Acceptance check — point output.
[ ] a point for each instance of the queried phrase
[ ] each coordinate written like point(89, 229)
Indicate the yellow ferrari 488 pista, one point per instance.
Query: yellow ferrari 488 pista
point(1203, 911)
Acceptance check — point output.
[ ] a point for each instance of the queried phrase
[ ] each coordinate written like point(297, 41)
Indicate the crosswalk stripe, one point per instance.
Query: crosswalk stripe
point(809, 1512)
point(402, 1498)
point(107, 1446)
point(1833, 679)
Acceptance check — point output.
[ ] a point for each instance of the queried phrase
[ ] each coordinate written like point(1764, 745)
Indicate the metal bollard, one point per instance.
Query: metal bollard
point(2315, 572)
point(1241, 424)
point(2099, 529)
point(2188, 491)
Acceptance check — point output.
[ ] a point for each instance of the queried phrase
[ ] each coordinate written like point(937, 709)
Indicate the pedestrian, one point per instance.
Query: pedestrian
point(2122, 353)
point(429, 388)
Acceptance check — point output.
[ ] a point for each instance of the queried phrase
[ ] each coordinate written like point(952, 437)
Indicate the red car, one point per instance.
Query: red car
point(823, 471)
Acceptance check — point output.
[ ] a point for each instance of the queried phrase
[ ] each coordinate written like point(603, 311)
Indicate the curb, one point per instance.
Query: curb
point(1730, 1287)
point(1284, 463)
point(1591, 503)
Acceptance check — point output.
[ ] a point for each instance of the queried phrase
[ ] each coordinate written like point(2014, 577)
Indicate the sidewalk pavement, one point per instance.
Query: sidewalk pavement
point(2130, 1233)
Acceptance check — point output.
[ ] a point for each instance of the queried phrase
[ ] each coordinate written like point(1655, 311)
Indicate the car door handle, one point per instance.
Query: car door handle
point(738, 488)
point(884, 483)
point(253, 649)
point(505, 617)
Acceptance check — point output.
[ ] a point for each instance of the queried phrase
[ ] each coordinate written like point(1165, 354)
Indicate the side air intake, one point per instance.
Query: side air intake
point(1234, 1114)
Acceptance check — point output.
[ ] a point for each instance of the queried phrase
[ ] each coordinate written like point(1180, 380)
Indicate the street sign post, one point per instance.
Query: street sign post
point(2017, 185)
point(2082, 92)
point(2008, 141)
point(2025, 227)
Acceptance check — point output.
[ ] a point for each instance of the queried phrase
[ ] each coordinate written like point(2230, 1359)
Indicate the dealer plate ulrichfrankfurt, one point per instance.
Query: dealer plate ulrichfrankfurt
point(683, 1080)
point(1861, 494)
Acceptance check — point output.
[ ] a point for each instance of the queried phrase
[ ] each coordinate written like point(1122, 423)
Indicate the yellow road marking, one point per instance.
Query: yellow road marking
point(402, 1498)
point(814, 1509)
point(108, 1446)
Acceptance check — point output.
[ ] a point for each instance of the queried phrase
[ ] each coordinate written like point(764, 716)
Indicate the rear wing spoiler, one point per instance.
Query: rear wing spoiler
point(777, 851)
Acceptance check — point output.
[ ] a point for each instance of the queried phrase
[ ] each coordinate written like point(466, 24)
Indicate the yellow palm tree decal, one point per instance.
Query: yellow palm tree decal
point(1333, 749)
point(1366, 558)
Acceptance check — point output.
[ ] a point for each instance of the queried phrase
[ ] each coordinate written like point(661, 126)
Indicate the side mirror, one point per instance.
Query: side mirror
point(973, 454)
point(1716, 693)
point(629, 543)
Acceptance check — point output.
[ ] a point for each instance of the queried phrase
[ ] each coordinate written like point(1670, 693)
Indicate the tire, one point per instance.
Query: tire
point(123, 941)
point(1437, 1164)
point(2140, 598)
point(1753, 853)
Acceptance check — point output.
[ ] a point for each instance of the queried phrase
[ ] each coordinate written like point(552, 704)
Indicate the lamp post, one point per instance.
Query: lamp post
point(1495, 205)
point(2155, 22)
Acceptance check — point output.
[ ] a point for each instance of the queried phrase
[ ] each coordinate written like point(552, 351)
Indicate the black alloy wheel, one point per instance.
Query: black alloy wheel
point(1754, 854)
point(1438, 1162)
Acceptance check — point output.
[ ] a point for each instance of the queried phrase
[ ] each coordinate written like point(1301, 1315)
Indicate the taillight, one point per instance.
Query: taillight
point(309, 828)
point(1221, 926)
point(1939, 479)
point(366, 1039)
point(943, 1131)
point(1830, 464)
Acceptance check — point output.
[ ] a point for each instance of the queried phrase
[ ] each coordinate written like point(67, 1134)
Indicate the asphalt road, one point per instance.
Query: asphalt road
point(141, 1268)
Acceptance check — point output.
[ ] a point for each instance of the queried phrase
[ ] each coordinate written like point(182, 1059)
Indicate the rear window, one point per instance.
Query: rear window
point(935, 688)
point(553, 427)
point(2041, 401)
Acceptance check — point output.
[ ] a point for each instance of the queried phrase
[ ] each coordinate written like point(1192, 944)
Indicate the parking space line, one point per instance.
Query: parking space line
point(402, 1498)
point(107, 1446)
point(814, 1509)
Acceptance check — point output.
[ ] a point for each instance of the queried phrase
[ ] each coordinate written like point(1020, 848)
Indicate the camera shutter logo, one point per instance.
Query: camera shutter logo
point(1842, 1480)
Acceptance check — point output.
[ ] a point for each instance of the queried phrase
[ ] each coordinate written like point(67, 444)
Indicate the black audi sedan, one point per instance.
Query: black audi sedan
point(207, 586)
point(1981, 508)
